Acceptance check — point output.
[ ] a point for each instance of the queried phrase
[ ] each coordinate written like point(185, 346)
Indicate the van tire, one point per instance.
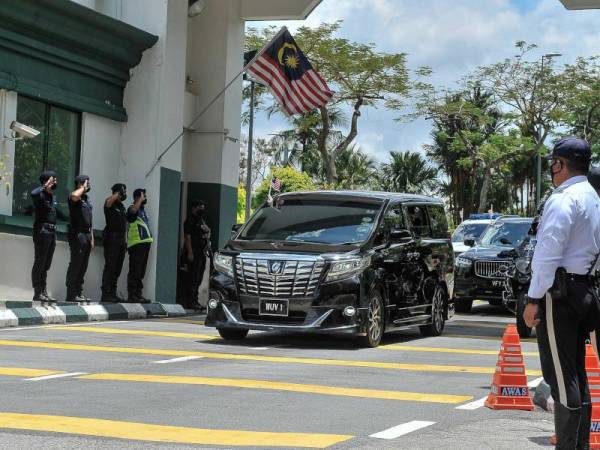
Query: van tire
point(232, 334)
point(438, 313)
point(375, 321)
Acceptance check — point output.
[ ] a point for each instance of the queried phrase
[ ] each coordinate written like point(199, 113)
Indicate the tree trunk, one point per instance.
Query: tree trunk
point(485, 189)
point(328, 160)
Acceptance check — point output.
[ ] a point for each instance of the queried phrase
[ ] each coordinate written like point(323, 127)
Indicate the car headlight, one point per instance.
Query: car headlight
point(224, 264)
point(522, 265)
point(347, 268)
point(463, 263)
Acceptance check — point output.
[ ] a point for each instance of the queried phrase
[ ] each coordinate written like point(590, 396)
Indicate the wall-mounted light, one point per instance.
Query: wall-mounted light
point(196, 7)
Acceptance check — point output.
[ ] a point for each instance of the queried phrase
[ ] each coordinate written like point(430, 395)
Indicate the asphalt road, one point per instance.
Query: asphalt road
point(174, 384)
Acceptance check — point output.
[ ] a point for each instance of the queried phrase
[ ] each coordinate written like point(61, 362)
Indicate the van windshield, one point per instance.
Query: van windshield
point(319, 221)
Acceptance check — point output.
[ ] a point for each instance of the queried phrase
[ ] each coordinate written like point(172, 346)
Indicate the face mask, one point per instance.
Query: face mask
point(145, 201)
point(123, 197)
point(54, 186)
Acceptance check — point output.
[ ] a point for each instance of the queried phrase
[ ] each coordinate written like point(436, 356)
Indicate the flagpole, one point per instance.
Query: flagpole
point(250, 142)
point(213, 101)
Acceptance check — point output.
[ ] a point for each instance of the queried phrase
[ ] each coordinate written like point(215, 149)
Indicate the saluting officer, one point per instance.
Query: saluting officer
point(115, 242)
point(139, 240)
point(44, 233)
point(81, 238)
point(559, 301)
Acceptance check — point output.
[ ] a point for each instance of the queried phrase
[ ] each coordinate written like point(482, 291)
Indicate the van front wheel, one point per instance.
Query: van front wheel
point(375, 321)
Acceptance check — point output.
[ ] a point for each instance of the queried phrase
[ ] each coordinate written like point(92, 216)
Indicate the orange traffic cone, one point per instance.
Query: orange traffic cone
point(592, 368)
point(509, 384)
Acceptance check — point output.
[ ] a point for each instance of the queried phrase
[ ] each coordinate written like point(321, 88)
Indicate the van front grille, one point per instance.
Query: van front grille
point(278, 278)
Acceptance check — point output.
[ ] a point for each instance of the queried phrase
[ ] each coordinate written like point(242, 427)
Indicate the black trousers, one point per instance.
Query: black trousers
point(138, 259)
point(195, 276)
point(80, 245)
point(564, 327)
point(115, 247)
point(44, 243)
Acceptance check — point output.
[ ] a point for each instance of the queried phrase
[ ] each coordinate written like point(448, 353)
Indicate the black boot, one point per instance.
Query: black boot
point(38, 295)
point(566, 423)
point(583, 435)
point(48, 297)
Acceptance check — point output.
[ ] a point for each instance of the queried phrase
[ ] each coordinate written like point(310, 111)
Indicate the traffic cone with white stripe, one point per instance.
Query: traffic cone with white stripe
point(509, 384)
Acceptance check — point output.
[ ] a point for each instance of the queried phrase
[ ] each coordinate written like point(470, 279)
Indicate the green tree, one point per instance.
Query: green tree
point(360, 75)
point(408, 172)
point(241, 204)
point(291, 181)
point(356, 169)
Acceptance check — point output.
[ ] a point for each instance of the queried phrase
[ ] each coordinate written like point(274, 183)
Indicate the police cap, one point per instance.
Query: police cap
point(594, 177)
point(46, 174)
point(80, 179)
point(572, 147)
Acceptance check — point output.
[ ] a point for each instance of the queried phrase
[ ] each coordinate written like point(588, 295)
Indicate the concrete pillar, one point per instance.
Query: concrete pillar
point(8, 113)
point(211, 162)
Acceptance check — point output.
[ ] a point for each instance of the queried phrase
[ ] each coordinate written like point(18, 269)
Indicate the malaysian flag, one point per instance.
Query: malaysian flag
point(276, 184)
point(285, 70)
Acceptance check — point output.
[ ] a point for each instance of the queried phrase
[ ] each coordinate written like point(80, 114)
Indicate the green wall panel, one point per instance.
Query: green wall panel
point(168, 236)
point(221, 209)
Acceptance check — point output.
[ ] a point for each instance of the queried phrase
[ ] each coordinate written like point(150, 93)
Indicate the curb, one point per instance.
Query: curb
point(27, 313)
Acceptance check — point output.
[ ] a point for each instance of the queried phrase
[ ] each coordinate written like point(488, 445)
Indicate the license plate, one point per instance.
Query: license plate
point(497, 283)
point(273, 307)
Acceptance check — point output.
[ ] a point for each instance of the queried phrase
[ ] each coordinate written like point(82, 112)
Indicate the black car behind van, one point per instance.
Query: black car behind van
point(360, 263)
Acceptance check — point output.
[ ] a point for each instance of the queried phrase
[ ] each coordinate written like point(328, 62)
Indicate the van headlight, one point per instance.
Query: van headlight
point(224, 264)
point(347, 268)
point(463, 263)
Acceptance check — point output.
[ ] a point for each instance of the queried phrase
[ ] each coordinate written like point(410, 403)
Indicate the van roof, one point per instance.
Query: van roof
point(366, 195)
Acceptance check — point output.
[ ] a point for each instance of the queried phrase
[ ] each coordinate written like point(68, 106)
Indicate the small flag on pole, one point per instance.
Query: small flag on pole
point(285, 70)
point(276, 184)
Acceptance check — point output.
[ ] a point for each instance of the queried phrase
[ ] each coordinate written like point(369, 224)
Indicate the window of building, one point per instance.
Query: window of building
point(57, 148)
point(419, 223)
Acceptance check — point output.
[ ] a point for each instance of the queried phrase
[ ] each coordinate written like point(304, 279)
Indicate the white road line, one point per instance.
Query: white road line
point(535, 383)
point(401, 430)
point(174, 360)
point(473, 405)
point(260, 348)
point(60, 375)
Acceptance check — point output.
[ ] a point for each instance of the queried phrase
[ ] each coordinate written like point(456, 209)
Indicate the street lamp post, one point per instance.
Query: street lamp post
point(538, 175)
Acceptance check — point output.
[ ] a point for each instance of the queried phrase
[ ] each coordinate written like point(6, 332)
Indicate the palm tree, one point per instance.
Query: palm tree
point(355, 169)
point(408, 172)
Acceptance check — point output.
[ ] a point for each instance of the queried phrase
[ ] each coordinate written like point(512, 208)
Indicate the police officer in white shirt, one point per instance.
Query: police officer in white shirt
point(559, 301)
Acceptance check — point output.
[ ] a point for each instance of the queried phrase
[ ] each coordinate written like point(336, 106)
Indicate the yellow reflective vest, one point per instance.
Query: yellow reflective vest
point(139, 232)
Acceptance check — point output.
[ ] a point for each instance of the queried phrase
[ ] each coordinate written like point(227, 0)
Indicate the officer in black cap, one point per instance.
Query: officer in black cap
point(115, 242)
point(44, 233)
point(559, 301)
point(197, 247)
point(81, 238)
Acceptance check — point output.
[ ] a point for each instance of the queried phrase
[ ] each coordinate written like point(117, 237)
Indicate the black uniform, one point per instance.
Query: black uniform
point(80, 244)
point(194, 226)
point(115, 247)
point(44, 238)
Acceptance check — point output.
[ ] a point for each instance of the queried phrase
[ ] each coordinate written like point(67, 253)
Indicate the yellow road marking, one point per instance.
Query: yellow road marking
point(135, 332)
point(264, 358)
point(27, 373)
point(281, 386)
point(409, 348)
point(487, 338)
point(165, 433)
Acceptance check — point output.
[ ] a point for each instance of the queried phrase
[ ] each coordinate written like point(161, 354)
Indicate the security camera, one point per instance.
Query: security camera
point(23, 131)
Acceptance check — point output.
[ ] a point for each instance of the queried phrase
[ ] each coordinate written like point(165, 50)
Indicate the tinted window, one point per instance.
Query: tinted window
point(468, 231)
point(417, 217)
point(509, 234)
point(319, 221)
point(394, 219)
point(439, 223)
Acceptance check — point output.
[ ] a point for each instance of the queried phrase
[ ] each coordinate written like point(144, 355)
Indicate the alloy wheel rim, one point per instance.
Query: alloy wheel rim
point(374, 319)
point(438, 309)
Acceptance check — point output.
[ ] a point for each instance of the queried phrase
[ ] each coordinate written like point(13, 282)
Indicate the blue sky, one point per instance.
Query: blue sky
point(452, 37)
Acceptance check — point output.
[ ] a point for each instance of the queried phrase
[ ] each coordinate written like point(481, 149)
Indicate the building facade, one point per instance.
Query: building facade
point(110, 84)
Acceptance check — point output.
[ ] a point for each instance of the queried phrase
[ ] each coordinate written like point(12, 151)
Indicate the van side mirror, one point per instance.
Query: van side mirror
point(235, 228)
point(469, 242)
point(400, 235)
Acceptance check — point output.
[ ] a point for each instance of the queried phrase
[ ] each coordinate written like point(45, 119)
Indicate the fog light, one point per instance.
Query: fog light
point(212, 303)
point(349, 311)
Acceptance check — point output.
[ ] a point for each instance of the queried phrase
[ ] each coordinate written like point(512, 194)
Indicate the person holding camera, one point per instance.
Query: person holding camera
point(560, 303)
point(139, 240)
point(44, 233)
point(115, 242)
point(81, 238)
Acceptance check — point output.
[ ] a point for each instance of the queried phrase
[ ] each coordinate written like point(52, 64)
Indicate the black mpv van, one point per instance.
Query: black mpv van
point(360, 263)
